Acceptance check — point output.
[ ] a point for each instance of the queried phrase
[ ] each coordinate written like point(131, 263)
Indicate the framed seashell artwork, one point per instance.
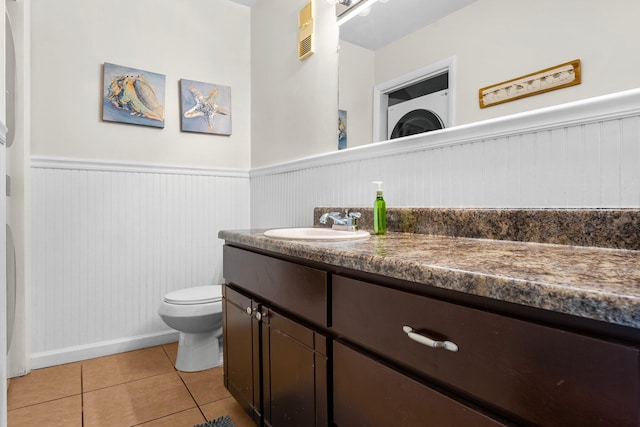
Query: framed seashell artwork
point(558, 77)
point(205, 107)
point(133, 96)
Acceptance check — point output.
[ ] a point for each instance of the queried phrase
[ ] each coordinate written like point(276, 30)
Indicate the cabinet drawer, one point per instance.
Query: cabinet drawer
point(295, 288)
point(368, 393)
point(537, 374)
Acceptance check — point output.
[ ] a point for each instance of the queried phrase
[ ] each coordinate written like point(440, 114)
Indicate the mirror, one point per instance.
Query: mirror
point(485, 42)
point(367, 26)
point(375, 24)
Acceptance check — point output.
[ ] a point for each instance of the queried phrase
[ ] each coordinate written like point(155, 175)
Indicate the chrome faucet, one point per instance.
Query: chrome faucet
point(346, 223)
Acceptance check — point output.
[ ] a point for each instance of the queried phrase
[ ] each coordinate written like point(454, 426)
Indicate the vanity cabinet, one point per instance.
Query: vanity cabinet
point(275, 361)
point(312, 344)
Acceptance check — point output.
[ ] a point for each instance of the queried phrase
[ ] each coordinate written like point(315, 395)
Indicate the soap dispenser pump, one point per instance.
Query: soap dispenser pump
point(379, 211)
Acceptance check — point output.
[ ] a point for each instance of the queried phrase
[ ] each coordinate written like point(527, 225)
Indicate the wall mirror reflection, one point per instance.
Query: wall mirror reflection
point(474, 43)
point(413, 100)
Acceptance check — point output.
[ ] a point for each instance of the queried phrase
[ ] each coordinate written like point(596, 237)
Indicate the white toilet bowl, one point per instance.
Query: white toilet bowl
point(197, 314)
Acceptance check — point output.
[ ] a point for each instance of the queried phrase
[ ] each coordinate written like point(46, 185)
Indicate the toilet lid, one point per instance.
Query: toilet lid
point(196, 295)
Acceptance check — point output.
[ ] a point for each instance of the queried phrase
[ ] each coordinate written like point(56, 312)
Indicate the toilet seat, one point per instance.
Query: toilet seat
point(196, 295)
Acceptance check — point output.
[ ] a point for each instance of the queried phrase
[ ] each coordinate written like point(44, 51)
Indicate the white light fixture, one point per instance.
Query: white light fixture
point(355, 10)
point(345, 3)
point(365, 12)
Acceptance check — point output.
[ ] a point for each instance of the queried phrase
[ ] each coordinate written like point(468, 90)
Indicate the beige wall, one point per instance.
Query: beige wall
point(203, 40)
point(498, 40)
point(294, 103)
point(284, 108)
point(355, 95)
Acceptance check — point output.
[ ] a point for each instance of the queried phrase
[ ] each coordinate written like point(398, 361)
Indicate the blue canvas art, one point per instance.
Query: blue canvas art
point(133, 96)
point(342, 129)
point(205, 107)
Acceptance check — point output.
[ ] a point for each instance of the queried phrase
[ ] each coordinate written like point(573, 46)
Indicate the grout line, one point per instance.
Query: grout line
point(137, 379)
point(44, 401)
point(188, 391)
point(183, 382)
point(81, 395)
point(129, 381)
point(164, 350)
point(192, 396)
point(83, 391)
point(164, 416)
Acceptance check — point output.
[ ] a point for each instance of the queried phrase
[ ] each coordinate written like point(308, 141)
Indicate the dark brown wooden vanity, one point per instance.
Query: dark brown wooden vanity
point(276, 355)
point(309, 342)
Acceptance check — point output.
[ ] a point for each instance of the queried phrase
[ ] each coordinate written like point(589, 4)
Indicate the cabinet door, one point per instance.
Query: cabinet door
point(241, 351)
point(294, 373)
point(368, 393)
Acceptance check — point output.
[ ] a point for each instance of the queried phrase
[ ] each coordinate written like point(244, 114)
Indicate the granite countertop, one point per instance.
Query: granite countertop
point(596, 283)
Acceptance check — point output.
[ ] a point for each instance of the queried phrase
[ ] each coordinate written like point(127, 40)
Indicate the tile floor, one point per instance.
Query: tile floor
point(137, 388)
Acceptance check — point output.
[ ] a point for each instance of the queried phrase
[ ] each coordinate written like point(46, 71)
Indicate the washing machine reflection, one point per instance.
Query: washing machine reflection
point(421, 107)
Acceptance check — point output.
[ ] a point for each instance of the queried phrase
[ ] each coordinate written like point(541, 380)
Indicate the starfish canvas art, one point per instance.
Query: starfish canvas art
point(205, 107)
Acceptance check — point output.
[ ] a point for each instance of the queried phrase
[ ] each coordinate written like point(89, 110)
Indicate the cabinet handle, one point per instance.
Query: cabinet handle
point(261, 315)
point(422, 339)
point(249, 311)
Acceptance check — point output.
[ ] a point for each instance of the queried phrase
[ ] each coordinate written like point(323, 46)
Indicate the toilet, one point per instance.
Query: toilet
point(197, 314)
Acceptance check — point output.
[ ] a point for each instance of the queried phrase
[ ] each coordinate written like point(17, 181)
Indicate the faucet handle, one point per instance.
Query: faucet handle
point(352, 218)
point(325, 216)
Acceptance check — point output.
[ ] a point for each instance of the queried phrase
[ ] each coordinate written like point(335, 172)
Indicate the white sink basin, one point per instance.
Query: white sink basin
point(315, 234)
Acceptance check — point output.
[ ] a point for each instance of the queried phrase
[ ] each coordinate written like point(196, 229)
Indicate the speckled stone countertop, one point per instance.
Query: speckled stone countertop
point(603, 228)
point(595, 283)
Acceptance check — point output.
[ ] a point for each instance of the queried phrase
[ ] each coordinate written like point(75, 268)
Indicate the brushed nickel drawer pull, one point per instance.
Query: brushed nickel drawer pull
point(447, 345)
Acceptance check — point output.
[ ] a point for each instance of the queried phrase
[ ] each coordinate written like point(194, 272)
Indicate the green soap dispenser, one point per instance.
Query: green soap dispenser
point(379, 212)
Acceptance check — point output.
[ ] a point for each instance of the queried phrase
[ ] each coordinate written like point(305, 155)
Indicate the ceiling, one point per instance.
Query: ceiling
point(391, 20)
point(395, 19)
point(249, 3)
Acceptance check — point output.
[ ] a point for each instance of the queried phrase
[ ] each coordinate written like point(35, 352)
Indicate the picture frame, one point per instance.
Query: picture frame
point(342, 129)
point(133, 96)
point(553, 78)
point(205, 107)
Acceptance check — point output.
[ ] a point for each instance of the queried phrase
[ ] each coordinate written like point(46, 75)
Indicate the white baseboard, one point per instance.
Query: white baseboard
point(104, 348)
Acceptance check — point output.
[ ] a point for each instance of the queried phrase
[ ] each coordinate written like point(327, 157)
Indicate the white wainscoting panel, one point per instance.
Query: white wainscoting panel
point(108, 241)
point(580, 155)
